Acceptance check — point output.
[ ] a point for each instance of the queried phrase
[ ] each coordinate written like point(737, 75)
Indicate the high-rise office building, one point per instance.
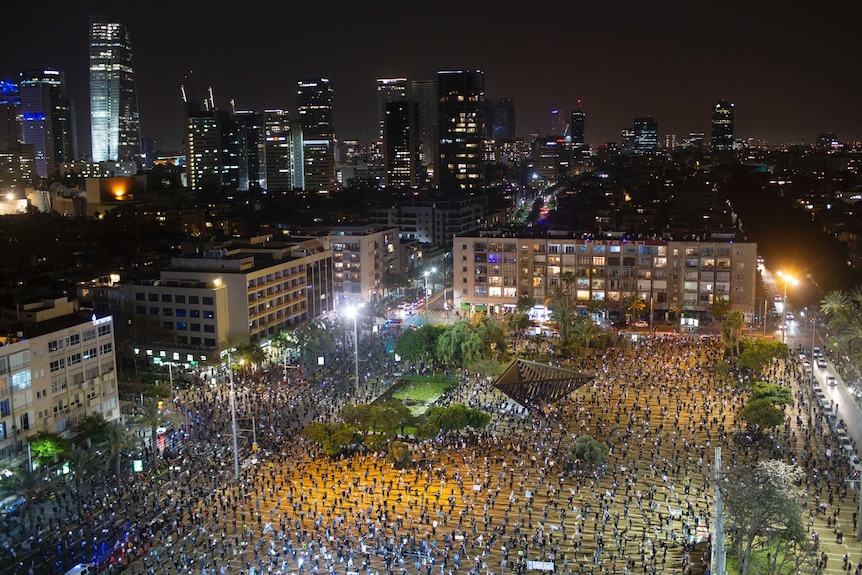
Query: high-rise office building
point(250, 144)
point(645, 135)
point(314, 104)
point(283, 160)
point(46, 119)
point(504, 119)
point(461, 130)
point(424, 93)
point(203, 153)
point(388, 90)
point(576, 127)
point(10, 112)
point(114, 122)
point(722, 126)
point(399, 144)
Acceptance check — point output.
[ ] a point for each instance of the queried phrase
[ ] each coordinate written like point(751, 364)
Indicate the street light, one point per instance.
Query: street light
point(426, 274)
point(233, 419)
point(353, 311)
point(788, 279)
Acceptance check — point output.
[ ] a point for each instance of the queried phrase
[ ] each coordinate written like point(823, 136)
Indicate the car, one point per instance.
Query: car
point(82, 569)
point(831, 380)
point(821, 362)
point(816, 352)
point(640, 323)
point(165, 427)
point(778, 299)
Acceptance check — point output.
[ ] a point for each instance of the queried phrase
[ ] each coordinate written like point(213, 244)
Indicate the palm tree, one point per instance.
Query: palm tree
point(568, 279)
point(563, 311)
point(587, 331)
point(596, 307)
point(118, 439)
point(731, 330)
point(82, 465)
point(152, 416)
point(633, 306)
point(29, 484)
point(838, 307)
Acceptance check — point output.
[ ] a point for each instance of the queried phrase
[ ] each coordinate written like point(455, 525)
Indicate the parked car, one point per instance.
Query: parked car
point(640, 323)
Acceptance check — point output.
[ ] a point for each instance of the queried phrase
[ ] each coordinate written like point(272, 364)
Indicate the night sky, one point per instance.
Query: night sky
point(792, 73)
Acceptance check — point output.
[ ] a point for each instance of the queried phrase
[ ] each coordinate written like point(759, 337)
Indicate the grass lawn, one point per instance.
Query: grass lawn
point(423, 389)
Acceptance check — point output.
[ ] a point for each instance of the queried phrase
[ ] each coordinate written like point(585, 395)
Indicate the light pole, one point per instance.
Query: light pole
point(233, 419)
point(353, 311)
point(787, 279)
point(426, 273)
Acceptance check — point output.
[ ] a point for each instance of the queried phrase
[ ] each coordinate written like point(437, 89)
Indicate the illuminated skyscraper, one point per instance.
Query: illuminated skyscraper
point(389, 90)
point(722, 126)
point(504, 119)
point(314, 104)
point(461, 129)
point(114, 122)
point(46, 119)
point(645, 135)
point(399, 144)
point(424, 94)
point(576, 128)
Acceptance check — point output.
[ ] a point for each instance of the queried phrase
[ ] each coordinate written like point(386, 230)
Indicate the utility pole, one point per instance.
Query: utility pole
point(718, 554)
point(233, 419)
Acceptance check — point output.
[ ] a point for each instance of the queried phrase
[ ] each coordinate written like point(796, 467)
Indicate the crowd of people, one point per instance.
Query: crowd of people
point(505, 499)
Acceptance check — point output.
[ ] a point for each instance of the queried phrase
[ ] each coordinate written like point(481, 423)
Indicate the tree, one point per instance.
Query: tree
point(82, 466)
point(29, 484)
point(91, 428)
point(757, 353)
point(525, 303)
point(455, 417)
point(761, 507)
point(117, 440)
point(765, 407)
point(47, 445)
point(587, 331)
point(731, 329)
point(587, 449)
point(633, 306)
point(564, 312)
point(719, 308)
point(415, 345)
point(334, 438)
point(152, 416)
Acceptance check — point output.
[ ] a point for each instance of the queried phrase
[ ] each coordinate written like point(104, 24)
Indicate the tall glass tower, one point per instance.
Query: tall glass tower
point(46, 119)
point(314, 104)
point(114, 123)
point(722, 126)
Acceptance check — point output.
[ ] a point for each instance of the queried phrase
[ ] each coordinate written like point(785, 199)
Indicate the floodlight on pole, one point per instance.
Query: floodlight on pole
point(353, 312)
point(788, 279)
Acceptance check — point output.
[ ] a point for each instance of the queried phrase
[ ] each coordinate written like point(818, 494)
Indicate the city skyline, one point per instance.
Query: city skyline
point(621, 61)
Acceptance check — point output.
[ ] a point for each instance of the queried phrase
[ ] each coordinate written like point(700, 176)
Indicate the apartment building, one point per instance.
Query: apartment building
point(492, 269)
point(60, 368)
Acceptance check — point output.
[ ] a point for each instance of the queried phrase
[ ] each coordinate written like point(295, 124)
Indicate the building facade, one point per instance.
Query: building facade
point(461, 130)
point(314, 104)
point(493, 269)
point(399, 144)
point(62, 369)
point(722, 126)
point(46, 119)
point(361, 256)
point(115, 124)
point(247, 293)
